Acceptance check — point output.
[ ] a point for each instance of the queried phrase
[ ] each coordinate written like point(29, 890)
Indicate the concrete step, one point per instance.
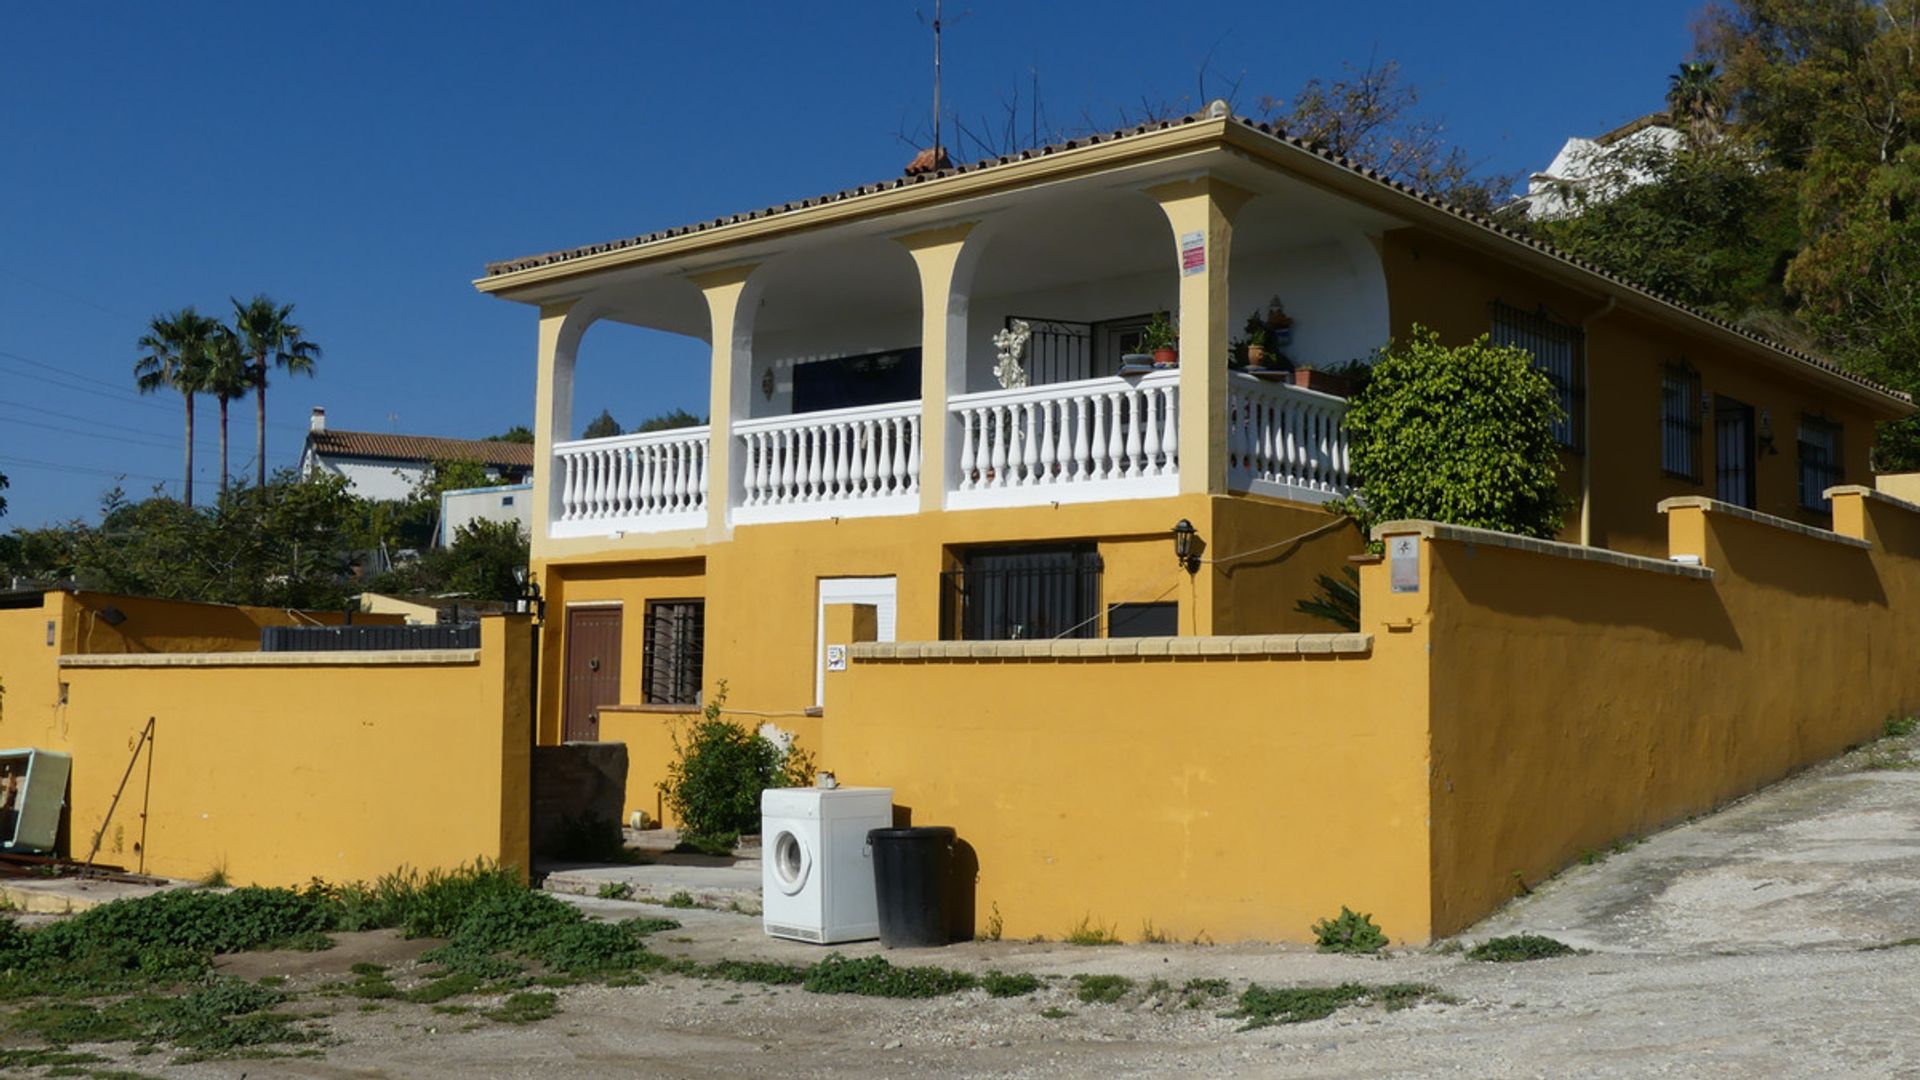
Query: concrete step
point(733, 887)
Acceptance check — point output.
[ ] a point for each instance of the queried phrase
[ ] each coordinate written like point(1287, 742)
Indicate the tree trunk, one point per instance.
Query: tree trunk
point(187, 491)
point(260, 420)
point(223, 448)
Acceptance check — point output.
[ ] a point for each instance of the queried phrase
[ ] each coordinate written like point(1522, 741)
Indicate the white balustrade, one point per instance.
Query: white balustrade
point(651, 482)
point(837, 463)
point(1082, 441)
point(1284, 440)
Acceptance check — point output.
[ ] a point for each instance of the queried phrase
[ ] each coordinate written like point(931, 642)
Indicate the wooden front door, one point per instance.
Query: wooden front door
point(593, 670)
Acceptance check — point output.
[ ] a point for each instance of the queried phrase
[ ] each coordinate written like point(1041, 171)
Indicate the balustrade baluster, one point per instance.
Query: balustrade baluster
point(969, 420)
point(1116, 437)
point(1047, 447)
point(913, 452)
point(1135, 433)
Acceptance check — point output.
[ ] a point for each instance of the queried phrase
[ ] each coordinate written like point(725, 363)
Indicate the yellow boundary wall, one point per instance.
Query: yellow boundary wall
point(1526, 702)
point(278, 768)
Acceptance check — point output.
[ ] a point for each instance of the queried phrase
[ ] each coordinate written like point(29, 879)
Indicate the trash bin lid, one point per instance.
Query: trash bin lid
point(918, 832)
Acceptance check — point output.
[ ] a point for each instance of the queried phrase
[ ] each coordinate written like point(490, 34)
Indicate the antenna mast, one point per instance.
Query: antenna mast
point(936, 80)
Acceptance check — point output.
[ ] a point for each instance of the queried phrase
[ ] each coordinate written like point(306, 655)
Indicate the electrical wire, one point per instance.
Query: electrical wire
point(1308, 535)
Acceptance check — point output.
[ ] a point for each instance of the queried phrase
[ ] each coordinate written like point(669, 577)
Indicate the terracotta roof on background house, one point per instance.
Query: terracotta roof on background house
point(497, 269)
point(375, 444)
point(1634, 127)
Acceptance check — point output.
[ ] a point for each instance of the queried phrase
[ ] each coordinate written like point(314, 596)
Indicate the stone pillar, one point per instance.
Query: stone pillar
point(729, 385)
point(1201, 212)
point(943, 349)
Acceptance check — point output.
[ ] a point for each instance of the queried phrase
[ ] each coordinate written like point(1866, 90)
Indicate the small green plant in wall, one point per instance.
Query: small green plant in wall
point(1349, 932)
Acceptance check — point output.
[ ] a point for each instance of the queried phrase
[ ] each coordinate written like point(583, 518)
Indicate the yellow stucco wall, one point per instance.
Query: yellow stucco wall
point(281, 772)
point(761, 589)
point(1574, 703)
point(1446, 287)
point(155, 626)
point(1219, 797)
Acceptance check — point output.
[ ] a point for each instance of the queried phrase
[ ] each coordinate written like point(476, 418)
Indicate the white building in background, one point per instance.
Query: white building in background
point(378, 465)
point(508, 502)
point(1599, 168)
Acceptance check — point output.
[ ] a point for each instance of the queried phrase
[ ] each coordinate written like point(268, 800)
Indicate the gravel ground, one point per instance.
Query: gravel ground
point(1755, 942)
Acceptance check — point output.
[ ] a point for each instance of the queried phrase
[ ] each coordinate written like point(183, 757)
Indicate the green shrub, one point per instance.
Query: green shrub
point(873, 976)
point(713, 785)
point(1350, 932)
point(1102, 989)
point(1897, 726)
point(1460, 434)
point(1000, 984)
point(1089, 932)
point(1261, 1007)
point(1518, 947)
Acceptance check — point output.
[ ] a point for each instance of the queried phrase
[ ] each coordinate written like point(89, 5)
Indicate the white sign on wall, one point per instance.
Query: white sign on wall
point(836, 658)
point(1403, 563)
point(1193, 254)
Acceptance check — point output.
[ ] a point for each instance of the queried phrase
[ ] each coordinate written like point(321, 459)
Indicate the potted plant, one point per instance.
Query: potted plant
point(1256, 347)
point(1162, 339)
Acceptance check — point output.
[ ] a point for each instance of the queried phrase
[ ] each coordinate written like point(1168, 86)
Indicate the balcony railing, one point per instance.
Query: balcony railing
point(1285, 441)
point(652, 483)
point(838, 463)
point(1083, 441)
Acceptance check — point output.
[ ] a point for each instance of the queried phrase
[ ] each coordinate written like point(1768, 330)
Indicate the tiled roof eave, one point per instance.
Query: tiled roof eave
point(512, 266)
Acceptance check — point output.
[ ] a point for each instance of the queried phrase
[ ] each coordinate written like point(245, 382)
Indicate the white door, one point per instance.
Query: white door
point(877, 591)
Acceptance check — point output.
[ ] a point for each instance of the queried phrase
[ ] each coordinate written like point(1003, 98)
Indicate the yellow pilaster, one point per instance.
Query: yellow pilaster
point(1201, 212)
point(943, 345)
point(553, 389)
point(723, 289)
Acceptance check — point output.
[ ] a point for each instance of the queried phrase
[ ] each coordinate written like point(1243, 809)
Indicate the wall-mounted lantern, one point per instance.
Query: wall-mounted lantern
point(1186, 545)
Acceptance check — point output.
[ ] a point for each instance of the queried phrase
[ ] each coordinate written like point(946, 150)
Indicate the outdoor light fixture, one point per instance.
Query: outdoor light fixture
point(112, 616)
point(529, 602)
point(1186, 545)
point(1766, 432)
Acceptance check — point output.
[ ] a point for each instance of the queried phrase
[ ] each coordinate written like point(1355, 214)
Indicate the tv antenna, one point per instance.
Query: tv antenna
point(938, 25)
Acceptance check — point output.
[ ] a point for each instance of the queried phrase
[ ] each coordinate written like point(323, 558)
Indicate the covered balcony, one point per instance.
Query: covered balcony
point(990, 362)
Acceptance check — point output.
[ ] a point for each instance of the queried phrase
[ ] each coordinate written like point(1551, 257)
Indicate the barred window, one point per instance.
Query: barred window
point(1819, 461)
point(1023, 592)
point(1559, 351)
point(675, 632)
point(1680, 421)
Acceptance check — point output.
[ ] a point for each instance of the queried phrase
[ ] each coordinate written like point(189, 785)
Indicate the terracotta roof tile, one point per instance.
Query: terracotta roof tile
point(375, 444)
point(510, 266)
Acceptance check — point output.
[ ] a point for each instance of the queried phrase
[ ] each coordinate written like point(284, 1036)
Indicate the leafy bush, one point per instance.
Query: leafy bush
point(1001, 985)
point(1461, 435)
point(1350, 932)
point(1337, 601)
point(1899, 726)
point(873, 976)
point(1102, 989)
point(1519, 947)
point(1262, 1007)
point(713, 785)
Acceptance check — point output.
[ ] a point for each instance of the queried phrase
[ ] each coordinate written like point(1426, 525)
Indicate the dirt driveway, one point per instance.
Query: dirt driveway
point(1740, 945)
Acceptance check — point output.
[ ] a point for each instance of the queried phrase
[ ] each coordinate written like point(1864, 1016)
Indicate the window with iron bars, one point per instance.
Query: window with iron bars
point(1024, 592)
point(1819, 446)
point(1559, 350)
point(675, 634)
point(1680, 422)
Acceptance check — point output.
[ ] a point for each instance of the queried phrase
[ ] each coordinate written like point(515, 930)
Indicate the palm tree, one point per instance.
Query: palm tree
point(176, 347)
point(267, 332)
point(229, 376)
point(1694, 100)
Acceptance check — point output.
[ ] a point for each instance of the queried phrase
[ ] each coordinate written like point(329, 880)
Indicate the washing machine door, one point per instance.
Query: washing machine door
point(792, 861)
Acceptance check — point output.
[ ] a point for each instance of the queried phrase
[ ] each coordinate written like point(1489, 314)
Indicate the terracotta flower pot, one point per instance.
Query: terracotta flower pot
point(1256, 356)
point(1166, 357)
point(1322, 382)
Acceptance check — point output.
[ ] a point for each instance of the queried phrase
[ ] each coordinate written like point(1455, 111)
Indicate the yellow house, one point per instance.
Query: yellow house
point(881, 436)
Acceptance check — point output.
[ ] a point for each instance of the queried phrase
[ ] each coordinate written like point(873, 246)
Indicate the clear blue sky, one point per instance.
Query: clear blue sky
point(363, 161)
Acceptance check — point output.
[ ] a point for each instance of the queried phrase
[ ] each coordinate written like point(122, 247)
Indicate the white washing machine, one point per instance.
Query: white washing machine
point(816, 868)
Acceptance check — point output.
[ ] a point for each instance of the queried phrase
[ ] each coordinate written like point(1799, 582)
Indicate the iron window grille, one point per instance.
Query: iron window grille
point(1027, 592)
point(1735, 451)
point(1680, 422)
point(1819, 454)
point(675, 633)
point(1559, 351)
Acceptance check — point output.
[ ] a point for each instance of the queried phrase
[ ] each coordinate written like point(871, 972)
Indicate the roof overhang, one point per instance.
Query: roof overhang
point(1189, 146)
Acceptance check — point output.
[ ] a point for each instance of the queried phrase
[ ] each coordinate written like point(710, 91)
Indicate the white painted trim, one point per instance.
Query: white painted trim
point(879, 506)
point(1278, 490)
point(1146, 487)
point(614, 527)
point(881, 592)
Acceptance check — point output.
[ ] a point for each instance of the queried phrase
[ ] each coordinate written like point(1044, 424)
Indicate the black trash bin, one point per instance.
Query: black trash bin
point(912, 875)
